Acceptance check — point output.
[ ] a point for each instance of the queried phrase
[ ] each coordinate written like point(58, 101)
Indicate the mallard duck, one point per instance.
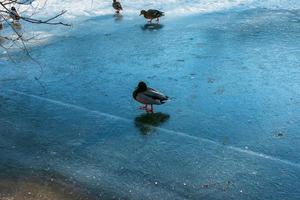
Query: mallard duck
point(117, 6)
point(148, 96)
point(14, 14)
point(152, 14)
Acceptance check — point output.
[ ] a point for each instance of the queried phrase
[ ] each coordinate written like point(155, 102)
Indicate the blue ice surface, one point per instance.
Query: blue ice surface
point(230, 131)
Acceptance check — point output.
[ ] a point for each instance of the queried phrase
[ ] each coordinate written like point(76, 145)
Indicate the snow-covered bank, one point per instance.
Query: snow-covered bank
point(91, 8)
point(79, 11)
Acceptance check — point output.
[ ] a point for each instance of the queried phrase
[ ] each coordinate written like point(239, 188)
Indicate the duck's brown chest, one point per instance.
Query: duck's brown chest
point(134, 94)
point(148, 16)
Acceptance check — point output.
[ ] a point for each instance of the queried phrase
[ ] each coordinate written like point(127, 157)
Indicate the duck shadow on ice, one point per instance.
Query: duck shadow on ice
point(147, 123)
point(151, 27)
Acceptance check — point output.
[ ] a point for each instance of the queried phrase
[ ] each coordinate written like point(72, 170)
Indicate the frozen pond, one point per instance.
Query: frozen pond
point(230, 131)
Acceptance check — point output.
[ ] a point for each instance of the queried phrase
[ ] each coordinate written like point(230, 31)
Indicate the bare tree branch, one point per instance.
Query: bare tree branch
point(10, 17)
point(13, 37)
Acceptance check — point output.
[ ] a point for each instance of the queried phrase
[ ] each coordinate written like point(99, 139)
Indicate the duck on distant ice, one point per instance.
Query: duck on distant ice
point(117, 6)
point(152, 14)
point(148, 96)
point(14, 14)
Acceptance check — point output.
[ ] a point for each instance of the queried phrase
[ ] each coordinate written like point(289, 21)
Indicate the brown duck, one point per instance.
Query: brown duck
point(148, 96)
point(152, 14)
point(117, 6)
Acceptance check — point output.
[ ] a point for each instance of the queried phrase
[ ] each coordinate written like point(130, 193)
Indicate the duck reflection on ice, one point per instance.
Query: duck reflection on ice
point(118, 17)
point(152, 27)
point(146, 123)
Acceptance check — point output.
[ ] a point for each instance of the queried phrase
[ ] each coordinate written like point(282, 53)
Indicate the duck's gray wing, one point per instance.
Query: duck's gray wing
point(155, 94)
point(147, 99)
point(14, 15)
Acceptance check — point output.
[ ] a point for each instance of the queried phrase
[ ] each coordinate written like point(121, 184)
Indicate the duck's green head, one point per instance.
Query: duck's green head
point(142, 86)
point(143, 12)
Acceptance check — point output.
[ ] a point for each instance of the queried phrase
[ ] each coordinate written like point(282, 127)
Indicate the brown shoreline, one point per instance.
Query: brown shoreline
point(35, 189)
point(19, 183)
point(37, 185)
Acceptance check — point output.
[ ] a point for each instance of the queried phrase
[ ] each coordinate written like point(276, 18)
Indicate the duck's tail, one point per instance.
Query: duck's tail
point(165, 100)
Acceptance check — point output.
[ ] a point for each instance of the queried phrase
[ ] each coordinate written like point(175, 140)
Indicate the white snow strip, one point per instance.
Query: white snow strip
point(181, 134)
point(88, 8)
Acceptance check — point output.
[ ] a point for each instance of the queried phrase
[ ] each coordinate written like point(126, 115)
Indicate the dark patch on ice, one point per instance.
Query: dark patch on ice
point(225, 141)
point(201, 56)
point(156, 65)
point(194, 96)
point(211, 80)
point(219, 91)
point(151, 77)
point(172, 79)
point(193, 76)
point(152, 27)
point(222, 186)
point(180, 60)
point(279, 134)
point(146, 123)
point(200, 45)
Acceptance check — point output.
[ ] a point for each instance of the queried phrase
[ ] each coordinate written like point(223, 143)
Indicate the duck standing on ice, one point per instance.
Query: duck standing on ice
point(152, 14)
point(14, 14)
point(117, 6)
point(148, 96)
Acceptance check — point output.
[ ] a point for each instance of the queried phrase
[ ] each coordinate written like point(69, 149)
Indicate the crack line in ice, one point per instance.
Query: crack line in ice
point(182, 134)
